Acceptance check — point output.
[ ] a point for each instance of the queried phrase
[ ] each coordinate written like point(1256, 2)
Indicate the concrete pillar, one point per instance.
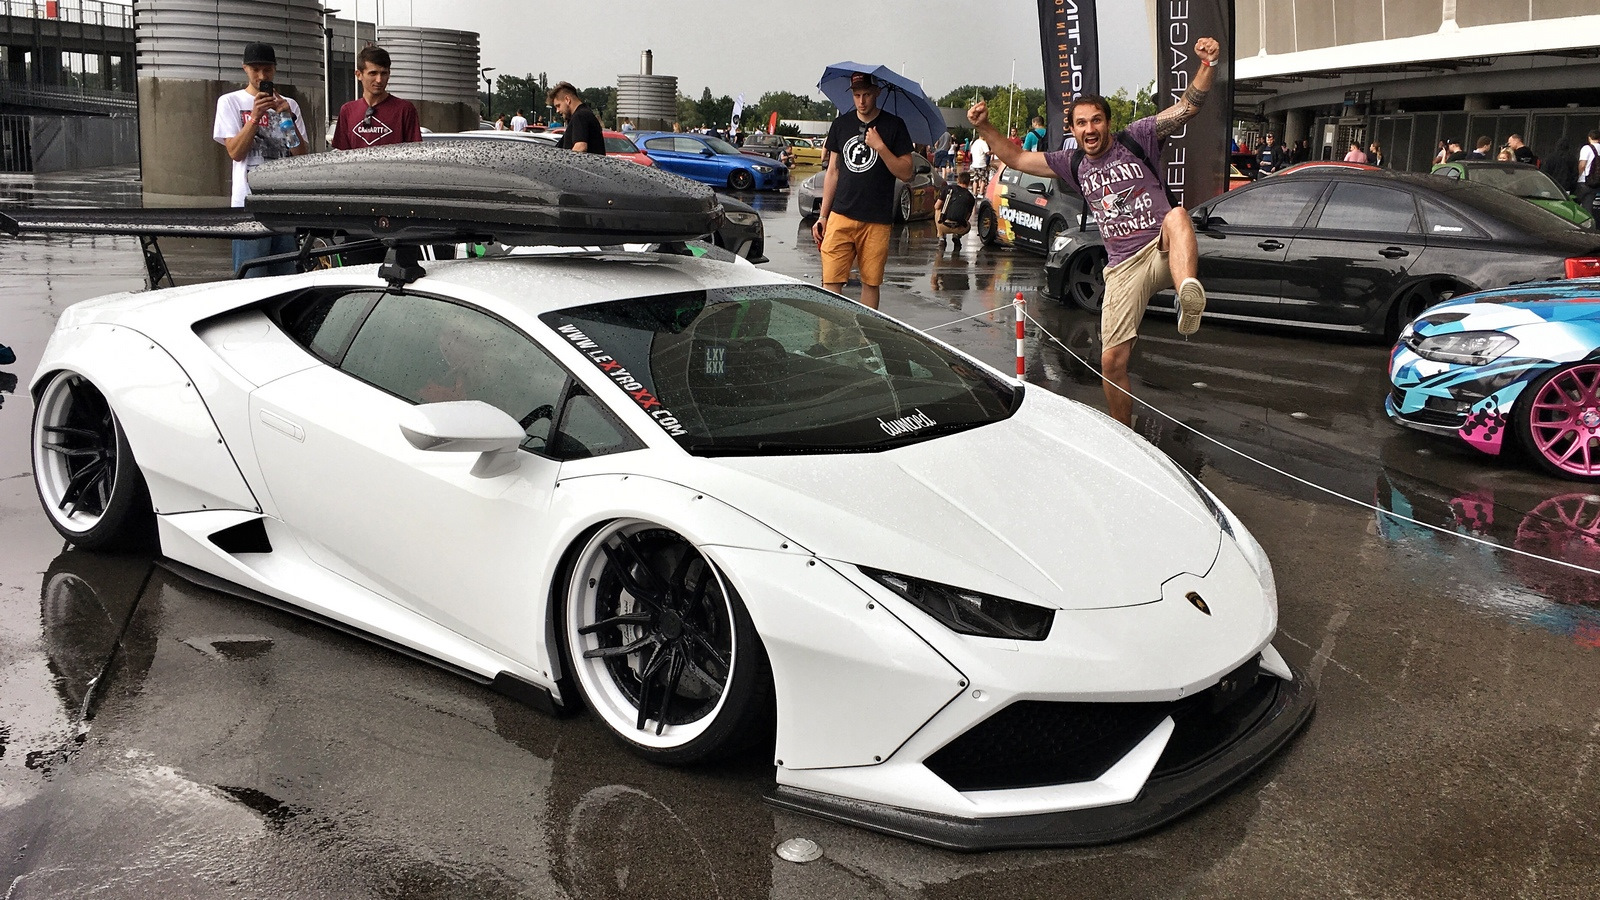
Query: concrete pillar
point(189, 55)
point(436, 69)
point(1296, 126)
point(1476, 102)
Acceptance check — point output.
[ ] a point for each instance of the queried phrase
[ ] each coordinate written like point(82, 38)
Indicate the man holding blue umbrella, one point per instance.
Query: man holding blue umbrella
point(867, 150)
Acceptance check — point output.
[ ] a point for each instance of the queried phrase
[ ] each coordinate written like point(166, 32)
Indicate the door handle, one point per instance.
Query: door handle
point(1270, 244)
point(1394, 252)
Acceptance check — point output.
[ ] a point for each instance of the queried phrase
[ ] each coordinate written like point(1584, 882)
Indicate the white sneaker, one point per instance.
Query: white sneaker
point(1191, 304)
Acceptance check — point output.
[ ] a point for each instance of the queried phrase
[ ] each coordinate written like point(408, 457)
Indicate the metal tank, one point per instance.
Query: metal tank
point(188, 55)
point(647, 101)
point(436, 69)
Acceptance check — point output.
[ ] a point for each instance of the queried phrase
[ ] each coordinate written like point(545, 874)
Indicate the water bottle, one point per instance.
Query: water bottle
point(289, 131)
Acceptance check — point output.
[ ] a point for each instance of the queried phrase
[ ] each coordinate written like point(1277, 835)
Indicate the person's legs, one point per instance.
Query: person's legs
point(873, 246)
point(1114, 369)
point(1183, 262)
point(838, 252)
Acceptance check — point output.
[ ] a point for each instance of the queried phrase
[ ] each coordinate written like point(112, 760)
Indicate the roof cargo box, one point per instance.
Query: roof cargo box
point(511, 191)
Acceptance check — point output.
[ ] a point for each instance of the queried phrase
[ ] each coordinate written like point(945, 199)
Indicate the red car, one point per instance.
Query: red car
point(618, 144)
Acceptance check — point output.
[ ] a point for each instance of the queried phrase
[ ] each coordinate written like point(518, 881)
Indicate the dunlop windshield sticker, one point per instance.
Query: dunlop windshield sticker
point(623, 379)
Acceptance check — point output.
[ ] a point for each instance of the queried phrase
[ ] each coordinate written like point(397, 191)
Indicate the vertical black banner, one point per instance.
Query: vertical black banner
point(1196, 158)
point(1070, 38)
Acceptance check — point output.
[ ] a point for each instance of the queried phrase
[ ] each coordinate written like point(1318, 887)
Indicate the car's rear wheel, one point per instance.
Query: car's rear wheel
point(1086, 280)
point(902, 210)
point(741, 180)
point(988, 225)
point(1415, 301)
point(662, 648)
point(1559, 421)
point(83, 469)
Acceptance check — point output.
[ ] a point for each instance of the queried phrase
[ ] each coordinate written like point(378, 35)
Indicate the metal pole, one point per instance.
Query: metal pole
point(1011, 109)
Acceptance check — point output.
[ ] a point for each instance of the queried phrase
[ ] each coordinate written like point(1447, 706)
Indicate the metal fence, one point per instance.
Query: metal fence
point(15, 150)
point(63, 97)
point(87, 12)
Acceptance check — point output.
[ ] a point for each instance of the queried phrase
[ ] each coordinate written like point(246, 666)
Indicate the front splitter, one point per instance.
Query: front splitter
point(1162, 800)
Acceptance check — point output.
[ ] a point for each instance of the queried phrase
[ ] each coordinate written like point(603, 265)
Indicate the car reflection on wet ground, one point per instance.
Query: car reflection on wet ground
point(160, 739)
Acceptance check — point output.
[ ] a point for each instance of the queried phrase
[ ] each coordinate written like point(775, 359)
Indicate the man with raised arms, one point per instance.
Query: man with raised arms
point(1150, 242)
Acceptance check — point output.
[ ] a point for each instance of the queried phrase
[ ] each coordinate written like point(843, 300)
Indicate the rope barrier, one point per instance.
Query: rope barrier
point(1296, 478)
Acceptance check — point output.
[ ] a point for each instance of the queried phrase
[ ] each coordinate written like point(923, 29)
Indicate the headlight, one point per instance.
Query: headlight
point(744, 218)
point(1061, 242)
point(969, 612)
point(1467, 348)
point(765, 170)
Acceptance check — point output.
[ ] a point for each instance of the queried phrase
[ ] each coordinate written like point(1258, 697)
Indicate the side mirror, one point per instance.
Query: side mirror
point(923, 170)
point(706, 151)
point(1038, 187)
point(1201, 220)
point(466, 426)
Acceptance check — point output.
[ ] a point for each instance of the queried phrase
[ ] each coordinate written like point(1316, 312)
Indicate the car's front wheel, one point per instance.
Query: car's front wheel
point(902, 210)
point(988, 225)
point(1086, 280)
point(83, 469)
point(741, 180)
point(1558, 421)
point(662, 648)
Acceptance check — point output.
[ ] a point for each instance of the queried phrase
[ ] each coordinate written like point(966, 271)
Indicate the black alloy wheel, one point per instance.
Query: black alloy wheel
point(1086, 279)
point(902, 210)
point(988, 225)
point(662, 648)
point(84, 470)
point(741, 180)
point(1415, 301)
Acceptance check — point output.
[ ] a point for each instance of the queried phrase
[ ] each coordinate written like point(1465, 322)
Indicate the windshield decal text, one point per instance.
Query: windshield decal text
point(624, 379)
point(906, 424)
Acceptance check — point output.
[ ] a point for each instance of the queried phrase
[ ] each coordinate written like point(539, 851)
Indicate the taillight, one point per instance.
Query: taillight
point(1583, 267)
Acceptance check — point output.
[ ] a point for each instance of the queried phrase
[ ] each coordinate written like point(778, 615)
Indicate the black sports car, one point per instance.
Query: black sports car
point(1358, 251)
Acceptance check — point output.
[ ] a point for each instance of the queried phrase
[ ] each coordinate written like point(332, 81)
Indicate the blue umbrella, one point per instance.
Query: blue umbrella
point(899, 95)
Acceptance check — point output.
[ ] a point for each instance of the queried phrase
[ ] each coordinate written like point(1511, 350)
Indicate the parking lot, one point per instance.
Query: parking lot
point(159, 739)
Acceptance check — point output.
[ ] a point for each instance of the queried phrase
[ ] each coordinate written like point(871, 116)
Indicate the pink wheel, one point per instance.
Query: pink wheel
point(1561, 421)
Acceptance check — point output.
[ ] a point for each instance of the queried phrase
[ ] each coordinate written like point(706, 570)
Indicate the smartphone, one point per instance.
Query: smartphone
point(267, 87)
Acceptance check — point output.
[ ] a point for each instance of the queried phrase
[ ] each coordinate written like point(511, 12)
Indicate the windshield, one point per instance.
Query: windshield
point(721, 147)
point(1527, 183)
point(782, 369)
point(620, 145)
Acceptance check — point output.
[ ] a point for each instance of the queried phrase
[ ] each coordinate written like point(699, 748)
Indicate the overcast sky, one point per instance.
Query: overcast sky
point(755, 46)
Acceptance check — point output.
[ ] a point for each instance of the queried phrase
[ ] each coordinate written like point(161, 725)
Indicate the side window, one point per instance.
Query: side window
point(658, 144)
point(431, 351)
point(1267, 205)
point(687, 145)
point(324, 321)
point(587, 429)
point(1370, 207)
point(1441, 221)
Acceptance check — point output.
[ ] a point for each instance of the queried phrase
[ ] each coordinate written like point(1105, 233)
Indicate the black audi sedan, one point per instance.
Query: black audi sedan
point(1358, 251)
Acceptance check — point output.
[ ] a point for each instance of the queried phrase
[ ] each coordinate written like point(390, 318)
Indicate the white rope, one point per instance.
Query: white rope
point(987, 312)
point(1310, 484)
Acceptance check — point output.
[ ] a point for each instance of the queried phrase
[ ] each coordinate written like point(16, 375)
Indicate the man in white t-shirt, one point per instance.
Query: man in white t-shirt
point(249, 125)
point(1588, 192)
point(979, 165)
point(519, 122)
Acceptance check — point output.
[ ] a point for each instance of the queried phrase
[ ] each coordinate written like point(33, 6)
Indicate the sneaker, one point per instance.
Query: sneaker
point(955, 243)
point(6, 356)
point(1191, 304)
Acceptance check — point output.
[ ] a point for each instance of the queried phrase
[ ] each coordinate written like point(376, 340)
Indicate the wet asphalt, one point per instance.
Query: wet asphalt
point(158, 739)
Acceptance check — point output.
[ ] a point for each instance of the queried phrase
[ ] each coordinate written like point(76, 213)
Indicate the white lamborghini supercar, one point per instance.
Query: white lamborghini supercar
point(717, 506)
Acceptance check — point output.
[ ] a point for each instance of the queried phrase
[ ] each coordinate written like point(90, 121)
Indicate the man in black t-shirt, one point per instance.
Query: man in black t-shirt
point(952, 213)
point(867, 150)
point(583, 132)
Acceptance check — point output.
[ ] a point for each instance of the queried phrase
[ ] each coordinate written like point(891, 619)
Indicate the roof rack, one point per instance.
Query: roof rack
point(405, 196)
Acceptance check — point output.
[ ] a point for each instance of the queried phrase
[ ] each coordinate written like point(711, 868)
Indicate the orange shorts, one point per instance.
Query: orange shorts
point(864, 243)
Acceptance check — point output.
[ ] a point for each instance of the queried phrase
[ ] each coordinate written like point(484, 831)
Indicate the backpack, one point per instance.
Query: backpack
point(958, 204)
point(1592, 179)
point(1138, 153)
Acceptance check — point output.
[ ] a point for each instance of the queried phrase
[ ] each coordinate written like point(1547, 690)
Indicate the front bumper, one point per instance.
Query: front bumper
point(1202, 758)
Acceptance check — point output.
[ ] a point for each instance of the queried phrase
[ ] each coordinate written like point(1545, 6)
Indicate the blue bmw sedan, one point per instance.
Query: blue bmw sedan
point(712, 161)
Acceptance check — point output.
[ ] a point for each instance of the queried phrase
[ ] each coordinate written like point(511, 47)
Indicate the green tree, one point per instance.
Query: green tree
point(603, 100)
point(715, 112)
point(512, 93)
point(688, 113)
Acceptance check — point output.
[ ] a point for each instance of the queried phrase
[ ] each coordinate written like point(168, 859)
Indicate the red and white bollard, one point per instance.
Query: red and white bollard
point(1022, 347)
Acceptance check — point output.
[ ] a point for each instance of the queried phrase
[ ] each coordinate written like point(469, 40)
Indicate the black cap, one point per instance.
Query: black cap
point(862, 80)
point(260, 55)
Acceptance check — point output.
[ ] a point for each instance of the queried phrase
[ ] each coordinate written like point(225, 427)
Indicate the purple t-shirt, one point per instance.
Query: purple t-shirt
point(1127, 199)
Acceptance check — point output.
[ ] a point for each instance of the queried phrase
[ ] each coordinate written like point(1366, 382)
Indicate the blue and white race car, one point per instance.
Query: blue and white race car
point(1523, 359)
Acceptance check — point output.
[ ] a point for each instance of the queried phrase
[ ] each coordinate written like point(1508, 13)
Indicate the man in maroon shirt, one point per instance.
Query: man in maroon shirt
point(377, 117)
point(1150, 242)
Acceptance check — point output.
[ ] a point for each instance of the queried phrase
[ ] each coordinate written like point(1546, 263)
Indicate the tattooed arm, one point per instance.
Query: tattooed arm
point(1169, 120)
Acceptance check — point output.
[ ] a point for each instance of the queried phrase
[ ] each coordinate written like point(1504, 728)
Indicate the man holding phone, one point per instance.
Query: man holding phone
point(250, 126)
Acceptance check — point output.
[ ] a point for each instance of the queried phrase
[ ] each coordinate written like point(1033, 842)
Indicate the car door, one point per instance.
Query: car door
point(1244, 240)
point(1347, 264)
point(1027, 208)
point(416, 526)
point(666, 153)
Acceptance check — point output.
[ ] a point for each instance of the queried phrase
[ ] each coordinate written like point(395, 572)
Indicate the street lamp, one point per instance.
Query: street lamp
point(327, 62)
point(488, 86)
